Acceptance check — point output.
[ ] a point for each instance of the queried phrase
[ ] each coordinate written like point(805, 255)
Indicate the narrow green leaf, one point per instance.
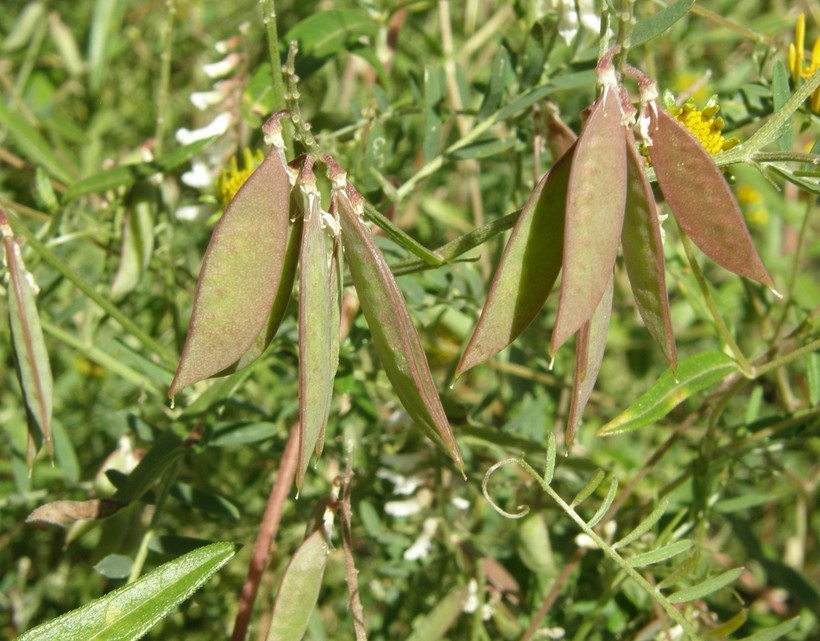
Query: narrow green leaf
point(32, 16)
point(596, 195)
point(643, 254)
point(31, 355)
point(299, 589)
point(723, 630)
point(137, 243)
point(694, 374)
point(527, 271)
point(589, 352)
point(659, 554)
point(316, 367)
point(644, 526)
point(589, 488)
point(241, 272)
point(813, 376)
point(700, 198)
point(775, 632)
point(652, 27)
point(130, 611)
point(499, 72)
point(105, 33)
point(549, 468)
point(608, 499)
point(394, 335)
point(243, 434)
point(780, 94)
point(205, 501)
point(708, 586)
point(441, 618)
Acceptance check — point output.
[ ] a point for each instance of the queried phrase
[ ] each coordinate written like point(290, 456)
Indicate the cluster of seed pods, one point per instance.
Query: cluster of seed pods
point(596, 197)
point(273, 224)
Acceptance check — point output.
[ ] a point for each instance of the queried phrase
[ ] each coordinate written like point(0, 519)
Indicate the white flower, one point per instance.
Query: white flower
point(204, 99)
point(408, 507)
point(199, 176)
point(460, 503)
point(222, 67)
point(217, 127)
point(403, 485)
point(569, 17)
point(471, 603)
point(193, 213)
point(421, 546)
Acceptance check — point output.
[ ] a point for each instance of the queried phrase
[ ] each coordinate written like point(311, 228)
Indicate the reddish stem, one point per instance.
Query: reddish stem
point(267, 531)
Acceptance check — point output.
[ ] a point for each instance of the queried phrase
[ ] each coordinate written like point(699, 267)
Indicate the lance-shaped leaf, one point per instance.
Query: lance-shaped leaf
point(31, 356)
point(595, 212)
point(394, 335)
point(241, 271)
point(529, 266)
point(316, 368)
point(643, 253)
point(700, 198)
point(299, 590)
point(137, 239)
point(589, 352)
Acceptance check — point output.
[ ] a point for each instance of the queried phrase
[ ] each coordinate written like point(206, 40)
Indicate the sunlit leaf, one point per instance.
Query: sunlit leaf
point(643, 254)
point(595, 212)
point(700, 198)
point(644, 526)
point(240, 275)
point(527, 271)
point(316, 367)
point(693, 375)
point(659, 554)
point(130, 611)
point(394, 335)
point(299, 590)
point(589, 352)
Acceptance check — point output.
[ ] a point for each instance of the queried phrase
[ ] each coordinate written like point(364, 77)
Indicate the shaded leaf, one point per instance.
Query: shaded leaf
point(527, 270)
point(589, 488)
point(701, 199)
point(394, 335)
point(137, 243)
point(643, 254)
point(595, 212)
point(656, 24)
point(130, 611)
point(240, 274)
point(644, 526)
point(441, 618)
point(605, 504)
point(659, 554)
point(316, 368)
point(114, 566)
point(589, 352)
point(775, 632)
point(712, 584)
point(299, 590)
point(693, 375)
point(31, 355)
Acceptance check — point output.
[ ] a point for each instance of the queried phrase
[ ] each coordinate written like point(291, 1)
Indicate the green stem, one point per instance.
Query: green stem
point(781, 361)
point(798, 252)
point(269, 18)
point(84, 286)
point(626, 22)
point(747, 369)
point(164, 78)
point(430, 258)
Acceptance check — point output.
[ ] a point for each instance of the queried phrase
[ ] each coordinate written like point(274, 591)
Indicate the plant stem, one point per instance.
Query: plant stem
point(747, 369)
point(86, 288)
point(269, 18)
point(164, 78)
point(267, 532)
point(626, 21)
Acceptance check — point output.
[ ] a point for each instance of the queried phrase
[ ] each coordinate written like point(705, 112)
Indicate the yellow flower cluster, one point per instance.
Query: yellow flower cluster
point(753, 205)
point(704, 126)
point(232, 178)
point(796, 60)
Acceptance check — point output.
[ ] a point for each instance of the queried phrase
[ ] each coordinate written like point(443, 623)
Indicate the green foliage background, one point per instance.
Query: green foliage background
point(742, 490)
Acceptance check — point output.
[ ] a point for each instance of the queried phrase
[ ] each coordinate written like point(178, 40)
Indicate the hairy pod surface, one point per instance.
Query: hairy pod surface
point(596, 195)
point(700, 198)
point(527, 271)
point(240, 276)
point(643, 254)
point(394, 334)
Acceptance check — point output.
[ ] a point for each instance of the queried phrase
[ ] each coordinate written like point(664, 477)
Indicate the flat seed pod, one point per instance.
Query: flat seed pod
point(336, 287)
point(240, 274)
point(595, 211)
point(700, 198)
point(643, 253)
point(316, 369)
point(394, 335)
point(528, 269)
point(31, 355)
point(589, 352)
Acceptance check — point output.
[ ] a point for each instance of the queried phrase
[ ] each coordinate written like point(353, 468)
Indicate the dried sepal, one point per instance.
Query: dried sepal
point(31, 355)
point(527, 271)
point(241, 271)
point(643, 254)
point(316, 331)
point(589, 352)
point(594, 218)
point(394, 335)
point(700, 198)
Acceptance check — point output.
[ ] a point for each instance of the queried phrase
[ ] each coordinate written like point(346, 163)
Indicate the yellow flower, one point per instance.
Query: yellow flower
point(796, 60)
point(704, 125)
point(753, 205)
point(232, 178)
